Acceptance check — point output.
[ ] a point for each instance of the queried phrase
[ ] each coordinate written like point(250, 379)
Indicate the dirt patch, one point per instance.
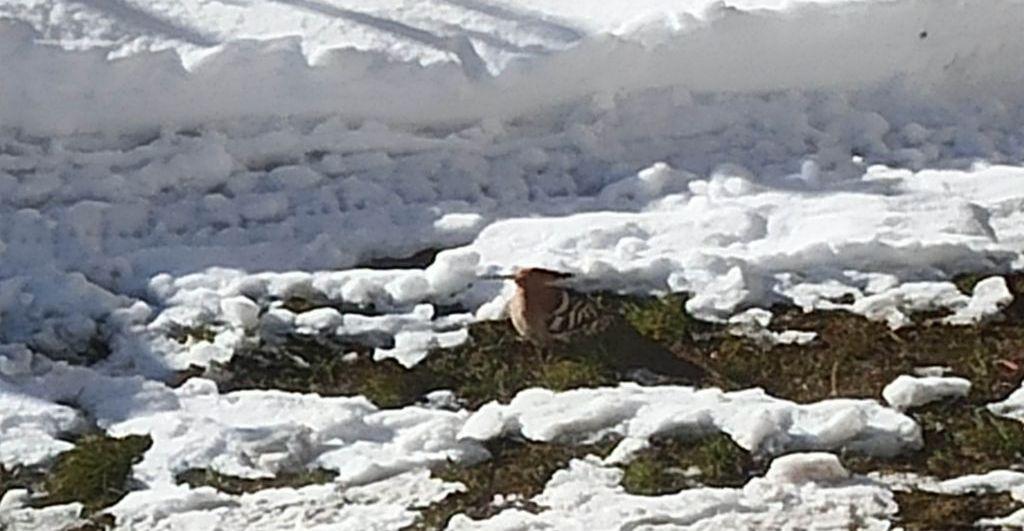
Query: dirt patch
point(197, 477)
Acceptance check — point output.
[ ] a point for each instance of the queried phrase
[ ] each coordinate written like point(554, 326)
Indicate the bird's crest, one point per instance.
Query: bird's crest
point(541, 276)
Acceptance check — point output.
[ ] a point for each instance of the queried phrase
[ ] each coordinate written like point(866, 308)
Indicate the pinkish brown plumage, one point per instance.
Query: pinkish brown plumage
point(538, 308)
point(545, 312)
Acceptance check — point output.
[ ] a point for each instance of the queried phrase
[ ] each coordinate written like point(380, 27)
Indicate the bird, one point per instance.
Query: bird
point(543, 311)
point(546, 312)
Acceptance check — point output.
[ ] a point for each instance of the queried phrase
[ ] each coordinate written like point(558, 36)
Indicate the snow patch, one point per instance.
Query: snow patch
point(756, 421)
point(801, 490)
point(907, 392)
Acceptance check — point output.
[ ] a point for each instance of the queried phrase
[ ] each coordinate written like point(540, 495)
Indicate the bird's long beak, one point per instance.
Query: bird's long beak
point(507, 276)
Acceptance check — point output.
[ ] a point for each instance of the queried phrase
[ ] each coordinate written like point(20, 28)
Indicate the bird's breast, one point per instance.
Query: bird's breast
point(528, 319)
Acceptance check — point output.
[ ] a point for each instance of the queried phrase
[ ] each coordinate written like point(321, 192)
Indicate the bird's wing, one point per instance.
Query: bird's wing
point(577, 315)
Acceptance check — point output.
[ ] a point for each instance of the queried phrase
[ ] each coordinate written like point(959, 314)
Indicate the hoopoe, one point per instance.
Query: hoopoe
point(543, 311)
point(546, 312)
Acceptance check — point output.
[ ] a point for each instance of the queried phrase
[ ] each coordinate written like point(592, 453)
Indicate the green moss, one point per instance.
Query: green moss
point(662, 319)
point(925, 511)
point(670, 465)
point(235, 485)
point(96, 471)
point(561, 375)
point(495, 365)
point(308, 364)
point(517, 469)
point(961, 440)
point(854, 357)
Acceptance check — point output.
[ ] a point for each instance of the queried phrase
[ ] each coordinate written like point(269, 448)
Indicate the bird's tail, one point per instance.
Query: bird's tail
point(627, 350)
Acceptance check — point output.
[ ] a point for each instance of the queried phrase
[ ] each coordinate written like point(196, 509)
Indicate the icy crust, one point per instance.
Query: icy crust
point(757, 422)
point(720, 49)
point(800, 491)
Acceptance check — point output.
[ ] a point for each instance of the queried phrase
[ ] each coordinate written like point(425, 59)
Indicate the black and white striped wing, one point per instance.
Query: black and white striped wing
point(576, 315)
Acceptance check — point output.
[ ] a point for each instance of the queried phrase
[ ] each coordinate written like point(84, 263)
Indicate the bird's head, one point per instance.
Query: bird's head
point(536, 277)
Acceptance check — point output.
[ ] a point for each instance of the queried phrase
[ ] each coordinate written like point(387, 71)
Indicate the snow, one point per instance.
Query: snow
point(806, 468)
point(800, 491)
point(907, 392)
point(756, 421)
point(988, 299)
point(735, 251)
point(384, 505)
point(754, 322)
point(994, 481)
point(194, 166)
point(17, 515)
point(1012, 407)
point(444, 75)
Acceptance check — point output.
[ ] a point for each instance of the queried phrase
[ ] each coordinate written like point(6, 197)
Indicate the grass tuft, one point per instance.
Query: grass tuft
point(95, 472)
point(672, 464)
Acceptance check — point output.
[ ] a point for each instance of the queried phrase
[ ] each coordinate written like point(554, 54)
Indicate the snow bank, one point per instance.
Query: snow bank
point(799, 491)
point(970, 48)
point(757, 422)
